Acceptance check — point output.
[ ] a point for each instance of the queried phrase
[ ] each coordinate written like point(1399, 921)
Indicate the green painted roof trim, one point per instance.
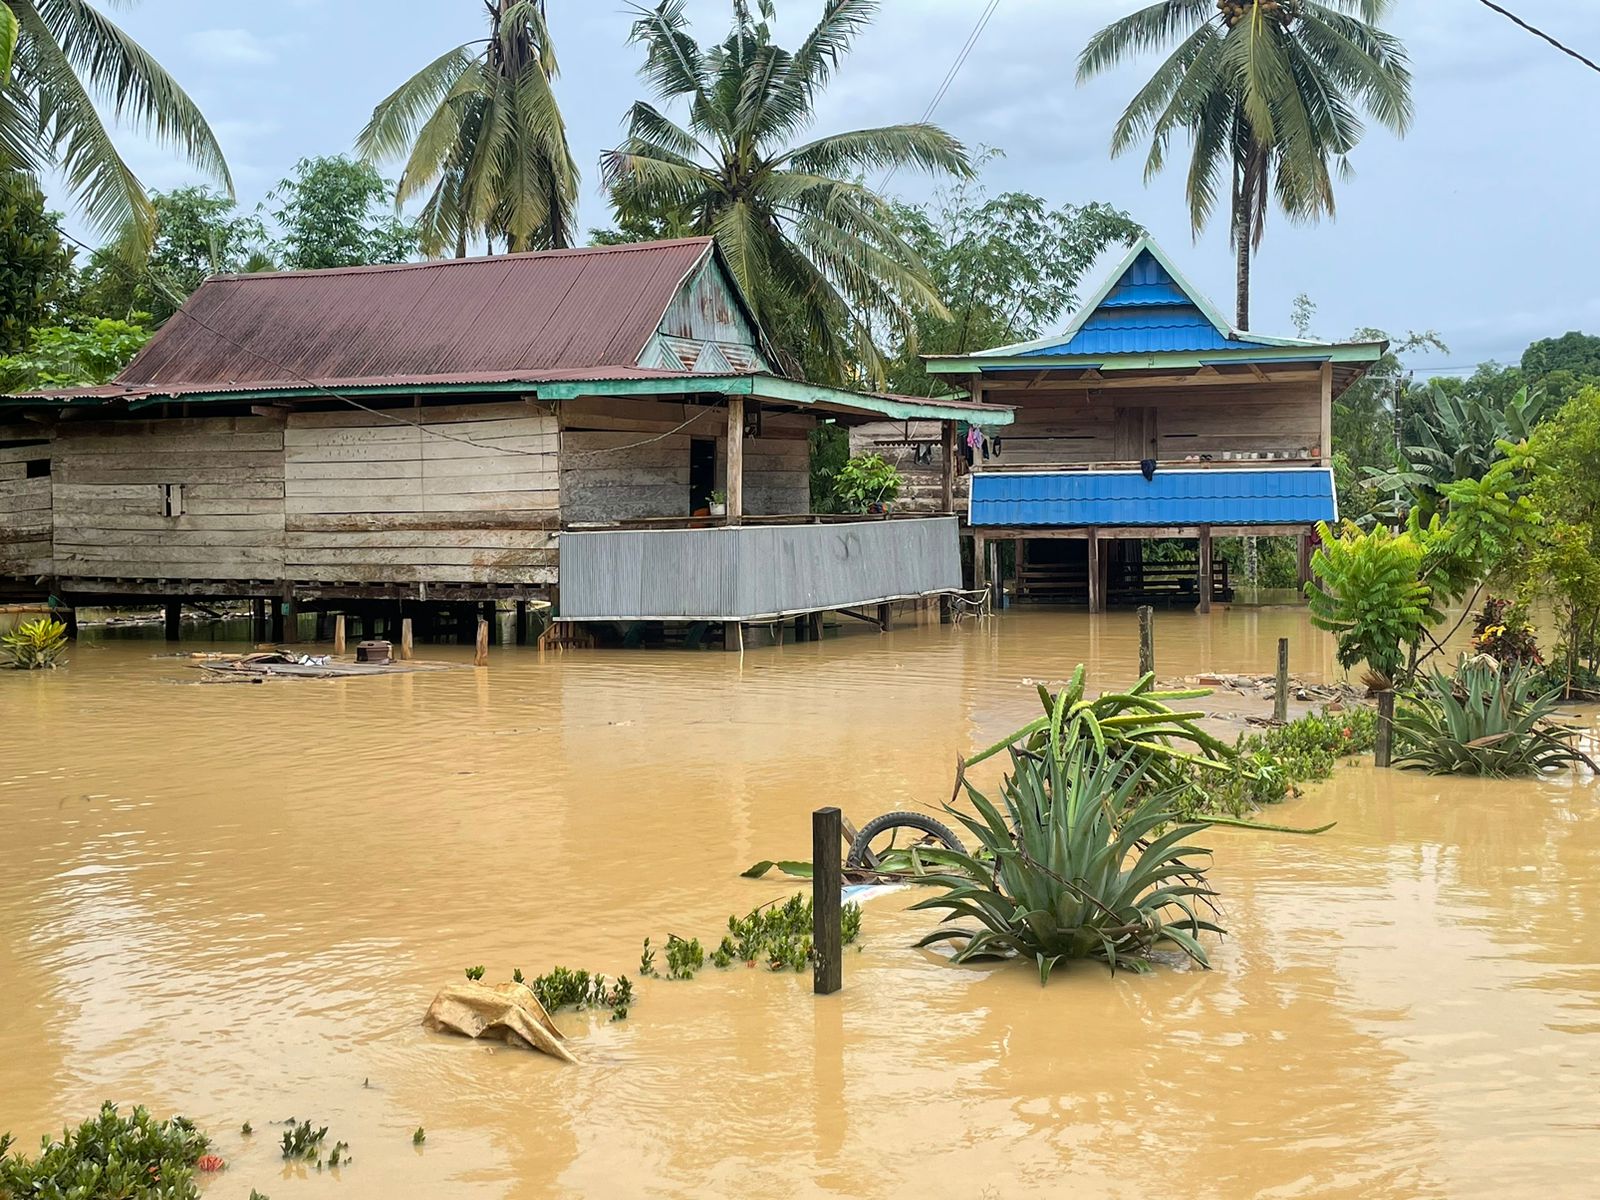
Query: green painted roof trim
point(1350, 352)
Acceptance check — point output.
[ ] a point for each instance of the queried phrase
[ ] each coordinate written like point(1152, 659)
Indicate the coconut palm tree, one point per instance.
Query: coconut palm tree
point(814, 249)
point(1267, 91)
point(480, 126)
point(57, 58)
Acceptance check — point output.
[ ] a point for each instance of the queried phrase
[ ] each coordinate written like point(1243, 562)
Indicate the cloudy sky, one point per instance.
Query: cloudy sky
point(1481, 224)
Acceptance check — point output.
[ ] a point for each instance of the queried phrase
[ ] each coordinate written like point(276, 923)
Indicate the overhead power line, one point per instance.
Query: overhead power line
point(1539, 33)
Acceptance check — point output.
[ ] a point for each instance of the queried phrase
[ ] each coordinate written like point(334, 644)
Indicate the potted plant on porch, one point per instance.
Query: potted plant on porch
point(719, 503)
point(866, 484)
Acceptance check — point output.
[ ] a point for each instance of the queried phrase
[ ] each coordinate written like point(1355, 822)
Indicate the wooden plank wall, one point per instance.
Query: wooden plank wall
point(626, 459)
point(109, 511)
point(24, 503)
point(469, 498)
point(1080, 427)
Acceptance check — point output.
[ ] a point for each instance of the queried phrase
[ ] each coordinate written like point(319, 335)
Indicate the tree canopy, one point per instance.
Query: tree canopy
point(35, 264)
point(338, 212)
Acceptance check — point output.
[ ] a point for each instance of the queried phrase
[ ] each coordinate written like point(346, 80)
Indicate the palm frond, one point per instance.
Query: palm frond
point(400, 116)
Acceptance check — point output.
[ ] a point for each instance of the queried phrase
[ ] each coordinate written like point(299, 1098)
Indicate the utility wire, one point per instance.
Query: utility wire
point(1539, 33)
point(949, 78)
point(177, 302)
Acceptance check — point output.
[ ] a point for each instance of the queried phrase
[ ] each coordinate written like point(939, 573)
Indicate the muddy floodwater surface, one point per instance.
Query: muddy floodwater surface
point(235, 902)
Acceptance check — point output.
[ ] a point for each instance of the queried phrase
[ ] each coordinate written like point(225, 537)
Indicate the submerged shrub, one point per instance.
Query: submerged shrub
point(1272, 764)
point(33, 646)
point(1480, 721)
point(130, 1158)
point(1070, 868)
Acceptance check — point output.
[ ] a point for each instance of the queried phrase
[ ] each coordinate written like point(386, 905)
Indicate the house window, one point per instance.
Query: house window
point(172, 499)
point(37, 468)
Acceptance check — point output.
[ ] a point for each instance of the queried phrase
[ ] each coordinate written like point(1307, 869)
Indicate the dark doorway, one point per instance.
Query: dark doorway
point(702, 473)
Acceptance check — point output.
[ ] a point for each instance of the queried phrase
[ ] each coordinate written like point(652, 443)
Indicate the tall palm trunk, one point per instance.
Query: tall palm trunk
point(1241, 269)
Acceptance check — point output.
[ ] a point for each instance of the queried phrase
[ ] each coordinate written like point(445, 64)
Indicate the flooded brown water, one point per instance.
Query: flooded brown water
point(236, 901)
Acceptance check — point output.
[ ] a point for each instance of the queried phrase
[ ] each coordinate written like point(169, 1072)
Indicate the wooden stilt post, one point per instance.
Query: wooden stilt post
point(947, 479)
point(275, 620)
point(1097, 579)
point(947, 609)
point(997, 582)
point(733, 637)
point(827, 883)
point(885, 617)
point(405, 639)
point(69, 618)
point(980, 565)
point(735, 488)
point(1280, 695)
point(258, 620)
point(522, 622)
point(291, 616)
point(802, 628)
point(815, 622)
point(1147, 639)
point(174, 619)
point(1205, 570)
point(480, 657)
point(338, 633)
point(1304, 559)
point(1383, 751)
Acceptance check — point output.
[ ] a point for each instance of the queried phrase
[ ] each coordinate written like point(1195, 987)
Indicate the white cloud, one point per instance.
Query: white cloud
point(234, 46)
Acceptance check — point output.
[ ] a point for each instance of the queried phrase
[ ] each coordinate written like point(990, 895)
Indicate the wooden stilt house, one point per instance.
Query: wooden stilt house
point(1149, 417)
point(524, 427)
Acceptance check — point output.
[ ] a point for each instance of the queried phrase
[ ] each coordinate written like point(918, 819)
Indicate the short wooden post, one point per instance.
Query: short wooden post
point(1205, 570)
point(1280, 695)
point(291, 616)
point(733, 637)
point(405, 639)
point(522, 623)
point(275, 621)
point(338, 633)
point(69, 618)
point(480, 657)
point(1383, 750)
point(801, 628)
point(885, 617)
point(827, 884)
point(1147, 639)
point(174, 619)
point(258, 620)
point(947, 609)
point(815, 622)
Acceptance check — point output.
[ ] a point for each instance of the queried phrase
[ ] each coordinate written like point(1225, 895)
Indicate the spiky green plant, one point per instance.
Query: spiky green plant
point(1070, 868)
point(1481, 721)
point(34, 645)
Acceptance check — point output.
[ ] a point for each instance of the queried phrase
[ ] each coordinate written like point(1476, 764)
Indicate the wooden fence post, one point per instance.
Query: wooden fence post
point(338, 633)
point(1384, 749)
point(480, 657)
point(1280, 696)
point(405, 639)
point(1147, 639)
point(827, 881)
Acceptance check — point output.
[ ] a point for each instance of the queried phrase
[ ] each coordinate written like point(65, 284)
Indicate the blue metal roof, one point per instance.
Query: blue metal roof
point(1146, 311)
point(1206, 496)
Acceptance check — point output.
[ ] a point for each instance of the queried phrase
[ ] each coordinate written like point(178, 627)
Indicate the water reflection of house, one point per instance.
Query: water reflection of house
point(1148, 418)
point(463, 431)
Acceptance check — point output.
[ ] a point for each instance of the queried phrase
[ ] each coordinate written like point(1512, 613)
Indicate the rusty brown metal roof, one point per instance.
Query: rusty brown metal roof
point(504, 316)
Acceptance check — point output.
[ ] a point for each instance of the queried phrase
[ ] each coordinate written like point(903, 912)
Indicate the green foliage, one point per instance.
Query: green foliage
point(830, 450)
point(302, 1142)
point(1481, 721)
point(1563, 567)
point(1370, 594)
point(647, 960)
point(419, 1136)
point(1364, 414)
point(685, 956)
point(1273, 764)
point(1488, 526)
point(1575, 353)
point(1071, 867)
point(60, 356)
point(1006, 267)
point(1503, 632)
point(814, 249)
point(34, 645)
point(480, 132)
point(196, 232)
point(65, 58)
point(1266, 93)
point(863, 481)
point(35, 264)
point(564, 988)
point(338, 212)
point(475, 974)
point(109, 1157)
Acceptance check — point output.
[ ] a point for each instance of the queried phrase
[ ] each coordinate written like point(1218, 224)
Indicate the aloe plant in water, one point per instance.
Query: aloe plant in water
point(1069, 866)
point(1481, 721)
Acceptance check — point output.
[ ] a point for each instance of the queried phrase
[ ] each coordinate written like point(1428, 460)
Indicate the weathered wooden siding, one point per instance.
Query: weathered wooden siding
point(469, 498)
point(24, 503)
point(705, 329)
point(109, 511)
point(753, 571)
point(626, 459)
point(1082, 427)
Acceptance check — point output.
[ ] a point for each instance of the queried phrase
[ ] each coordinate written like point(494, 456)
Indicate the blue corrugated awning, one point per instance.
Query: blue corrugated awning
point(1215, 496)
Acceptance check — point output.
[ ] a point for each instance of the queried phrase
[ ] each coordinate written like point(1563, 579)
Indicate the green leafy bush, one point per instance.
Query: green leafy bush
point(1480, 721)
point(35, 645)
point(1273, 764)
point(109, 1157)
point(1071, 868)
point(1369, 593)
point(1502, 631)
point(865, 480)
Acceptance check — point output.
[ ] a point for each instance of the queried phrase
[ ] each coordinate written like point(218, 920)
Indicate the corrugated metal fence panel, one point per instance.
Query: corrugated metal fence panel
point(1265, 496)
point(753, 570)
